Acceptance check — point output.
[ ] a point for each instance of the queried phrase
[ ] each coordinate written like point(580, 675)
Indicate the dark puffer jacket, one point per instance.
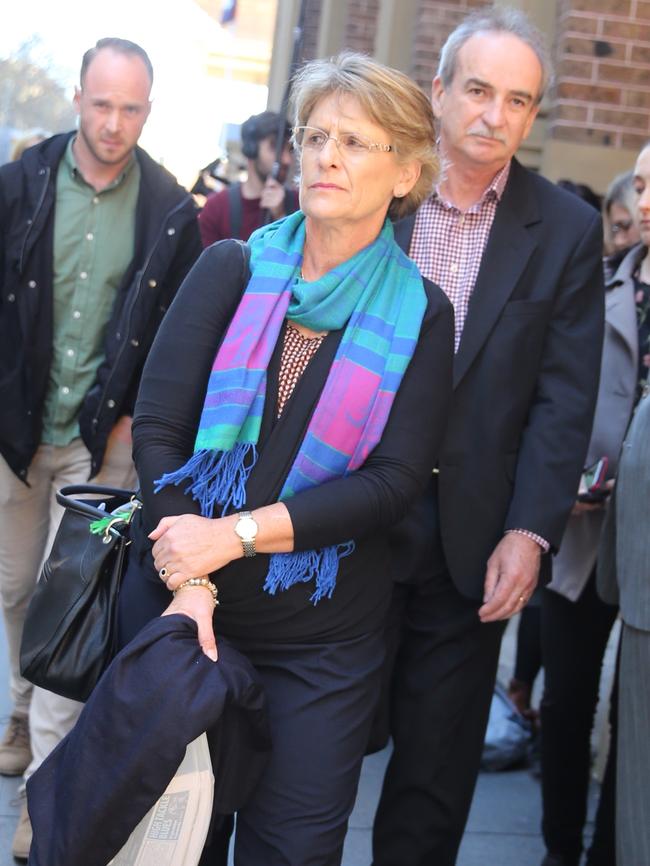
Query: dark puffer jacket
point(167, 242)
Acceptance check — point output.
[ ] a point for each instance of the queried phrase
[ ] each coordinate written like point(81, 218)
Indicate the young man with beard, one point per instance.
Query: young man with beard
point(95, 239)
point(237, 211)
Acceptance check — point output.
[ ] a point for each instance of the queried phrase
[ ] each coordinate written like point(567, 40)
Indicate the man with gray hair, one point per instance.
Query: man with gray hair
point(520, 260)
point(95, 239)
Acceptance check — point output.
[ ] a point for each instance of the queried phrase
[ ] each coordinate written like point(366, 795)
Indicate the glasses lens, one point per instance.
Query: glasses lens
point(311, 138)
point(353, 143)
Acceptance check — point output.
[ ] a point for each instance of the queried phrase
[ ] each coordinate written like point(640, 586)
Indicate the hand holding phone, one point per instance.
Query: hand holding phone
point(592, 486)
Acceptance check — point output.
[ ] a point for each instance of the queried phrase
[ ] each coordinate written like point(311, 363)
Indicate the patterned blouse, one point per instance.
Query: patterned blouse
point(297, 352)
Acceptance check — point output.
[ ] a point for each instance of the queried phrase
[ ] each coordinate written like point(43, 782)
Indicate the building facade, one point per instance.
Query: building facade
point(595, 118)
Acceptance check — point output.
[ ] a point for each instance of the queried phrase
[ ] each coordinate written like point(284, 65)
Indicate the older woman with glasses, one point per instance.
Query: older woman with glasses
point(290, 410)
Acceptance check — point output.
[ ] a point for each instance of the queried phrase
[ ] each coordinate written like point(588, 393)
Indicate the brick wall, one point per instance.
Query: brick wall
point(603, 73)
point(310, 29)
point(435, 19)
point(361, 25)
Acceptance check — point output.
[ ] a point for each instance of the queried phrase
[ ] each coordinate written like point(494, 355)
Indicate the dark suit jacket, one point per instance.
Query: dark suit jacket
point(525, 376)
point(159, 693)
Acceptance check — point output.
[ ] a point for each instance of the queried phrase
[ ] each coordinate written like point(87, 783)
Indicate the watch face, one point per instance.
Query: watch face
point(246, 527)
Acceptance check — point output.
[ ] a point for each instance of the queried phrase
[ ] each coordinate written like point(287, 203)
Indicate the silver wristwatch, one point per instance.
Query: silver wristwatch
point(246, 528)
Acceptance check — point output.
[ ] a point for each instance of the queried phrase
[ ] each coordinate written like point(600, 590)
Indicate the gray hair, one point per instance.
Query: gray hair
point(496, 19)
point(390, 98)
point(621, 191)
point(120, 46)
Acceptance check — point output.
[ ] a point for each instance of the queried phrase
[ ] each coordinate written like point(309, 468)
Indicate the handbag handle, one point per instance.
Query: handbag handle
point(67, 497)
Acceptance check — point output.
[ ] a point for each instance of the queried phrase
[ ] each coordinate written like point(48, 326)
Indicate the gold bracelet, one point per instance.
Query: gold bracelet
point(201, 581)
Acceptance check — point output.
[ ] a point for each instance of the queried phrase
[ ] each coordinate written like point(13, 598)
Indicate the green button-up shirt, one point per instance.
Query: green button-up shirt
point(94, 235)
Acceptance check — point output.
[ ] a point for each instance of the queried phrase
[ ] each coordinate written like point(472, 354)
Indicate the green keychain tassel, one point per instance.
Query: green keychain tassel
point(122, 514)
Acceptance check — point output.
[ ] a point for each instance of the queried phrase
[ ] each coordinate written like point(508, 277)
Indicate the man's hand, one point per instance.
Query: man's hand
point(273, 198)
point(511, 576)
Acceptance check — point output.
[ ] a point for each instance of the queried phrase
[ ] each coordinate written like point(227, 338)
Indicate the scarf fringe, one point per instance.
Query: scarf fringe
point(287, 569)
point(217, 477)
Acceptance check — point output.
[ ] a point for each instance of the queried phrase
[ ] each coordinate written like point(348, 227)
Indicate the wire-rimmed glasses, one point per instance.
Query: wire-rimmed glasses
point(311, 138)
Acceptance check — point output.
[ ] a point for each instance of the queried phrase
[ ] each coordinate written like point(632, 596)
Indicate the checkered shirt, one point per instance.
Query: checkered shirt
point(448, 245)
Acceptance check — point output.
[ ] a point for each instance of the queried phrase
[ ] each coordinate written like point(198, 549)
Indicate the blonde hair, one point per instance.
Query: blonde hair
point(27, 139)
point(390, 98)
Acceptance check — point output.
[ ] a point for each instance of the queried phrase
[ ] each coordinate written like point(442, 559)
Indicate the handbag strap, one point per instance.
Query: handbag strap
point(67, 497)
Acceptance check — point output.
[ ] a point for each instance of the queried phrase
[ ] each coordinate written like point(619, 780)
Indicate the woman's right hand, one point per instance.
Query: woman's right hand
point(196, 602)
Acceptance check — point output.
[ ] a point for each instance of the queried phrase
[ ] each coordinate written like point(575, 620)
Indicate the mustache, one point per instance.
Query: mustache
point(484, 132)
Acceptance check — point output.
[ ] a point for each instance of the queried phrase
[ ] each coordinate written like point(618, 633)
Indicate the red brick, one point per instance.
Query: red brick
point(589, 93)
point(641, 54)
point(580, 24)
point(603, 7)
point(632, 141)
point(626, 30)
point(637, 98)
point(583, 135)
point(624, 73)
point(626, 119)
point(643, 10)
point(575, 113)
point(567, 68)
point(600, 48)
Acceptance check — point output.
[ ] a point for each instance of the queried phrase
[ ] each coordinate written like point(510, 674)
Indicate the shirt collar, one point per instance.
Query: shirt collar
point(494, 191)
point(75, 171)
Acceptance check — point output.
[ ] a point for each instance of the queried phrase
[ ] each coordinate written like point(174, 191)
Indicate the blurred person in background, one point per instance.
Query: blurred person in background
point(624, 565)
point(575, 622)
point(619, 209)
point(28, 139)
point(235, 212)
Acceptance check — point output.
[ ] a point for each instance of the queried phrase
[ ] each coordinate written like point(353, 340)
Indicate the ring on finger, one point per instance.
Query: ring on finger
point(163, 574)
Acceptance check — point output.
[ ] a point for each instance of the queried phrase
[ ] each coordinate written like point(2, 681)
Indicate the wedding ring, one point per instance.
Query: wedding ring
point(163, 573)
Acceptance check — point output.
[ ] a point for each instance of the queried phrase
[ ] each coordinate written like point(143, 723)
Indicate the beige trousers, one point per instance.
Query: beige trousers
point(29, 518)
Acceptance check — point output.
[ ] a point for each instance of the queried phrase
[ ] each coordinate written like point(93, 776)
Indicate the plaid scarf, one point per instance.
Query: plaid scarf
point(378, 297)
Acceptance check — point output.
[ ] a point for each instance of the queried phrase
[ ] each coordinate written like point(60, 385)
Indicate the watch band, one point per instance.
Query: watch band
point(249, 547)
point(248, 542)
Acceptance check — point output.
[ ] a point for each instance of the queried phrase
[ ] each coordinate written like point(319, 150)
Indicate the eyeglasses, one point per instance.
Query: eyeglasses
point(621, 226)
point(311, 138)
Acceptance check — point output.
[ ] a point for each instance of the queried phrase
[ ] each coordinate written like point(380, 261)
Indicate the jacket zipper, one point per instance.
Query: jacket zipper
point(34, 218)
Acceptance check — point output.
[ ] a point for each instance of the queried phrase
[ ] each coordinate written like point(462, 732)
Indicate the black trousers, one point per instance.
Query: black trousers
point(444, 666)
point(321, 701)
point(574, 638)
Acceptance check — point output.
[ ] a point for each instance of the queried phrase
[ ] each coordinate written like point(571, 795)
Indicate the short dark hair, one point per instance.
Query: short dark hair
point(120, 46)
point(264, 125)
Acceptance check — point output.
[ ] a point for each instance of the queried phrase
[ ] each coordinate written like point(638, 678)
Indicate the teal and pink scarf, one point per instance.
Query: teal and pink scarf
point(378, 297)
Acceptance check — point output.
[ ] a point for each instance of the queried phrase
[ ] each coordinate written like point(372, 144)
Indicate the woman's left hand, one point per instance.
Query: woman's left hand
point(187, 545)
point(196, 602)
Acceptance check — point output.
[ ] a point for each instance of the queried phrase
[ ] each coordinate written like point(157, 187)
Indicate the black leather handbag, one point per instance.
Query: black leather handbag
point(69, 637)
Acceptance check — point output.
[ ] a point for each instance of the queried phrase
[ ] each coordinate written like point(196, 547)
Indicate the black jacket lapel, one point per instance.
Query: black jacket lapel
point(508, 250)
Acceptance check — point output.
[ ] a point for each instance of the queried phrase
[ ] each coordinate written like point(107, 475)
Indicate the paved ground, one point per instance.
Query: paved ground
point(503, 828)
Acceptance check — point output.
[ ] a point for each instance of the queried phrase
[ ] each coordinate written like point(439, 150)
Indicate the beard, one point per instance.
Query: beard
point(117, 156)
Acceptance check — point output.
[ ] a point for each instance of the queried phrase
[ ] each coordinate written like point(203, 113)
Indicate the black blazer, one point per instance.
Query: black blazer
point(159, 694)
point(525, 376)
